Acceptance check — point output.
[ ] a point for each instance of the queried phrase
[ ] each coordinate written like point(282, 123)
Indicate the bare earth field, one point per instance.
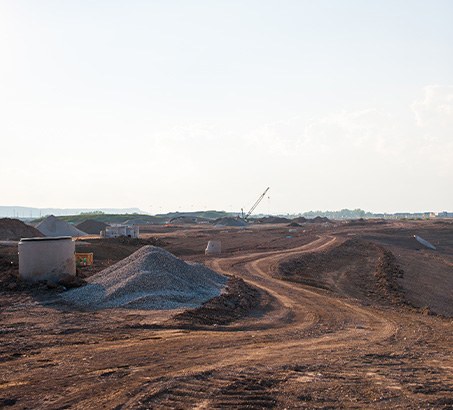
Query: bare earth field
point(349, 316)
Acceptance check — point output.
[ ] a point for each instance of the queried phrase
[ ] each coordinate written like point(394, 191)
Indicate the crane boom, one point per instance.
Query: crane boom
point(256, 204)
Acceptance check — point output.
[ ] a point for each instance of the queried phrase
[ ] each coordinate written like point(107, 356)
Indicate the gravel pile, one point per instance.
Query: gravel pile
point(53, 226)
point(150, 278)
point(228, 221)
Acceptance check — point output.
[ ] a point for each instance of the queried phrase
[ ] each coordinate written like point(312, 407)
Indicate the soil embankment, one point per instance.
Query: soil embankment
point(356, 269)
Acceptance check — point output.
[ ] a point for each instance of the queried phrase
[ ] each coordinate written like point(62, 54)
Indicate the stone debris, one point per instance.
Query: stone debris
point(150, 278)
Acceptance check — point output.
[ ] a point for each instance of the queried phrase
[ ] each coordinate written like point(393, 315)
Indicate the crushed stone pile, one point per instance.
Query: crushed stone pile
point(13, 229)
point(229, 221)
point(92, 226)
point(52, 226)
point(150, 278)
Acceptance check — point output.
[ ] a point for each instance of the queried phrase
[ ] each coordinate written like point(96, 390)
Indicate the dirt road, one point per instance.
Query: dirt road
point(300, 348)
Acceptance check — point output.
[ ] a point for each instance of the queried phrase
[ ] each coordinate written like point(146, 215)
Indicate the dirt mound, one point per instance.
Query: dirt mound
point(13, 229)
point(228, 221)
point(237, 300)
point(356, 268)
point(357, 222)
point(386, 274)
point(150, 278)
point(273, 220)
point(294, 224)
point(319, 220)
point(300, 220)
point(92, 226)
point(52, 226)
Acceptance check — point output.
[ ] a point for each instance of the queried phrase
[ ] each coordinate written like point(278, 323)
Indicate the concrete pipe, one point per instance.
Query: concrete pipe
point(46, 258)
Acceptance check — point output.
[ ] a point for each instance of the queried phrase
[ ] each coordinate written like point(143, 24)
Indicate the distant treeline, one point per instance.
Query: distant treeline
point(343, 214)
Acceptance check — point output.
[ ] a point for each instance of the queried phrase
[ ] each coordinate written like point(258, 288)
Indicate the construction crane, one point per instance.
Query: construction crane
point(254, 205)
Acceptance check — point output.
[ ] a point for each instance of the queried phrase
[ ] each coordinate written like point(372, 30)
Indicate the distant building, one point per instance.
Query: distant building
point(114, 231)
point(444, 214)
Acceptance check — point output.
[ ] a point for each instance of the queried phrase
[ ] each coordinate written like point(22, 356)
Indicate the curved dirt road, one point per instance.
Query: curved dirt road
point(301, 349)
point(300, 311)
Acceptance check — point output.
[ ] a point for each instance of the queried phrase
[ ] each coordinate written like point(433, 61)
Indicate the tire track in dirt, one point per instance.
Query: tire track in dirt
point(283, 335)
point(308, 308)
point(305, 349)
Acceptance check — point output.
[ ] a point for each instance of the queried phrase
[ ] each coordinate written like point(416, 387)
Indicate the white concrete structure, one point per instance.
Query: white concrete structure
point(423, 242)
point(46, 258)
point(114, 231)
point(213, 248)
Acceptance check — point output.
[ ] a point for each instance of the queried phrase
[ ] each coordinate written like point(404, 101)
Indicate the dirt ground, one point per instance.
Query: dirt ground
point(349, 316)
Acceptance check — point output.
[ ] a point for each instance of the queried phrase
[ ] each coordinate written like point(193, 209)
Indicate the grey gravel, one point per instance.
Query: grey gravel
point(150, 278)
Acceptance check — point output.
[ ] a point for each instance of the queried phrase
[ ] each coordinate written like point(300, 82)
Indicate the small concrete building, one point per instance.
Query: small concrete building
point(114, 231)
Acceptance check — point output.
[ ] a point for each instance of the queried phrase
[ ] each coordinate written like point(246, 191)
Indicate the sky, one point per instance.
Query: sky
point(195, 105)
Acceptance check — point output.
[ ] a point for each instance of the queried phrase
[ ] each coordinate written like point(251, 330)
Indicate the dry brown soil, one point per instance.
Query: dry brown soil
point(350, 317)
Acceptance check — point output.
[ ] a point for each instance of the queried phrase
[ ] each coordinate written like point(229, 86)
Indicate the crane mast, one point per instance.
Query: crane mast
point(254, 205)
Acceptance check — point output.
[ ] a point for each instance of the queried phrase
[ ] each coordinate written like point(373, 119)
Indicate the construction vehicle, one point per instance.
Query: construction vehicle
point(244, 217)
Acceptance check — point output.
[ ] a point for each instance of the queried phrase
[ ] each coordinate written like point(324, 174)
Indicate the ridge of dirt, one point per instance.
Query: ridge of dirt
point(273, 220)
point(236, 302)
point(386, 274)
point(356, 268)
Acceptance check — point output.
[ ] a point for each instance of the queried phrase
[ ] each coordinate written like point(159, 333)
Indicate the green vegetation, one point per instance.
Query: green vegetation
point(343, 214)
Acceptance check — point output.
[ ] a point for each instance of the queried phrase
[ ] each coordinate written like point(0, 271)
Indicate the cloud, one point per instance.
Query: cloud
point(370, 136)
point(434, 129)
point(343, 131)
point(350, 129)
point(279, 137)
point(435, 108)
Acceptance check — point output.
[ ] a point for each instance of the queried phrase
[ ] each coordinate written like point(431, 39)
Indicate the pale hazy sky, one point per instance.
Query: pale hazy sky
point(192, 105)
